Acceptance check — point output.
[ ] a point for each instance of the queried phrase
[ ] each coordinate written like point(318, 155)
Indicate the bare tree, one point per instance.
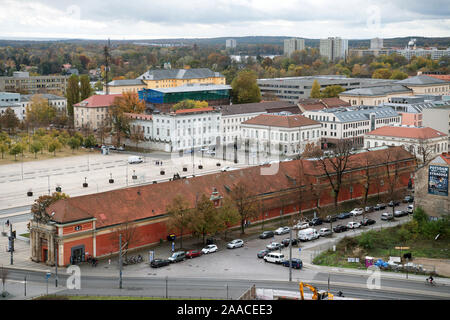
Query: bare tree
point(245, 203)
point(179, 216)
point(228, 215)
point(129, 235)
point(334, 165)
point(392, 175)
point(425, 152)
point(136, 134)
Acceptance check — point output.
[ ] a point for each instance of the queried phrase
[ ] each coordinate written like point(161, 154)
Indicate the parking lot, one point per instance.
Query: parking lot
point(242, 262)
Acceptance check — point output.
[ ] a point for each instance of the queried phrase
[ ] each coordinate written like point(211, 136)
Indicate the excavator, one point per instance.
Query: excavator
point(317, 294)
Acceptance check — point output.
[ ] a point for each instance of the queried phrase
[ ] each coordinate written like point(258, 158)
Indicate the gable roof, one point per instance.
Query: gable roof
point(272, 120)
point(319, 104)
point(377, 91)
point(258, 107)
point(99, 100)
point(407, 132)
point(143, 202)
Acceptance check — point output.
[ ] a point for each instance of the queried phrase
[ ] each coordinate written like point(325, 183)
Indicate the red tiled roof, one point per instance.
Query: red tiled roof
point(407, 132)
point(335, 102)
point(319, 104)
point(446, 157)
point(445, 77)
point(99, 100)
point(194, 110)
point(281, 121)
point(141, 202)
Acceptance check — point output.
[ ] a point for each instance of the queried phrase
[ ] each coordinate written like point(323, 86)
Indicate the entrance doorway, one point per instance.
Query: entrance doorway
point(77, 254)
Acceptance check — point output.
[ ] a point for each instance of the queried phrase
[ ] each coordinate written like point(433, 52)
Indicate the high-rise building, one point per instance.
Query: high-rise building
point(376, 43)
point(230, 43)
point(334, 48)
point(291, 45)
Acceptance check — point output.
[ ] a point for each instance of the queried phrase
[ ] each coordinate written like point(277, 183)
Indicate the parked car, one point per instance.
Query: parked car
point(380, 206)
point(285, 242)
point(410, 209)
point(344, 215)
point(400, 213)
point(209, 249)
point(387, 216)
point(274, 257)
point(325, 232)
point(193, 253)
point(211, 152)
point(266, 234)
point(157, 263)
point(357, 211)
point(274, 246)
point(366, 222)
point(369, 209)
point(296, 263)
point(135, 159)
point(308, 234)
point(408, 199)
point(177, 256)
point(282, 230)
point(394, 203)
point(120, 148)
point(227, 168)
point(301, 225)
point(353, 225)
point(237, 243)
point(331, 218)
point(262, 253)
point(111, 147)
point(340, 228)
point(315, 222)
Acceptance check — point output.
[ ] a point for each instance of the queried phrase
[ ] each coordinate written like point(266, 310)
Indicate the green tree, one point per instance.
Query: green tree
point(228, 215)
point(72, 93)
point(85, 87)
point(245, 88)
point(39, 113)
point(190, 104)
point(35, 147)
point(90, 141)
point(315, 90)
point(205, 219)
point(74, 143)
point(16, 149)
point(54, 146)
point(4, 147)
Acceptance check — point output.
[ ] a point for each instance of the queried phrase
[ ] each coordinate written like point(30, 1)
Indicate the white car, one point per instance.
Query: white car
point(301, 225)
point(410, 208)
point(235, 244)
point(282, 230)
point(274, 246)
point(227, 168)
point(353, 225)
point(203, 150)
point(209, 249)
point(325, 232)
point(357, 211)
point(135, 159)
point(211, 152)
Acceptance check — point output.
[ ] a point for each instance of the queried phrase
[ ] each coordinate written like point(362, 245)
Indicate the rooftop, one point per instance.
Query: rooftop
point(128, 82)
point(421, 80)
point(193, 87)
point(376, 91)
point(163, 74)
point(359, 113)
point(290, 121)
point(259, 107)
point(407, 132)
point(99, 100)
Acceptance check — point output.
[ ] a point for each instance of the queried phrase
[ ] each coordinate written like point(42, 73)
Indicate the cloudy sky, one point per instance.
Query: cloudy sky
point(153, 19)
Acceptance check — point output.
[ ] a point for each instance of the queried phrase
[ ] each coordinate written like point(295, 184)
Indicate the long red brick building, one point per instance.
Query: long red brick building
point(89, 225)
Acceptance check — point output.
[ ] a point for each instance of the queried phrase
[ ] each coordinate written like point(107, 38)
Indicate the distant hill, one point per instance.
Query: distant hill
point(443, 42)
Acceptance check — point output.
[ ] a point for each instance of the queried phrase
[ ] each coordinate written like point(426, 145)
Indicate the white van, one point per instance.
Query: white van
point(308, 234)
point(135, 159)
point(274, 257)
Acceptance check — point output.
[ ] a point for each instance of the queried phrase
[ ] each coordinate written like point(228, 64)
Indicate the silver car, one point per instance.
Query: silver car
point(325, 232)
point(235, 244)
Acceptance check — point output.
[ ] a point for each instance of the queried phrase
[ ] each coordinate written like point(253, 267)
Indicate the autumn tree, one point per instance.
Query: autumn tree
point(382, 73)
point(16, 149)
point(228, 215)
point(120, 123)
point(332, 91)
point(40, 205)
point(74, 143)
point(245, 88)
point(54, 146)
point(178, 216)
point(35, 147)
point(190, 104)
point(315, 90)
point(129, 102)
point(244, 202)
point(39, 113)
point(9, 120)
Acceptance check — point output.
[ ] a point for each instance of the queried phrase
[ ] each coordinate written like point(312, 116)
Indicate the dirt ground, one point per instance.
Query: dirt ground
point(442, 265)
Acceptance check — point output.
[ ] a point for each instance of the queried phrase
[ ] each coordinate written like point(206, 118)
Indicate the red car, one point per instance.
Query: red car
point(193, 253)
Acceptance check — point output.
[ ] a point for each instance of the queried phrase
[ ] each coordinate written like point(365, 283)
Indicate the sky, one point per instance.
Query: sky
point(162, 19)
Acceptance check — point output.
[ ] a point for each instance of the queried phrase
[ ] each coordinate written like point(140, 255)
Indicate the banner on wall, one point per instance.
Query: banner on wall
point(438, 180)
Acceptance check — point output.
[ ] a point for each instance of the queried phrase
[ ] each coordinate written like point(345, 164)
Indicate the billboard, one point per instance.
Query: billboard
point(438, 180)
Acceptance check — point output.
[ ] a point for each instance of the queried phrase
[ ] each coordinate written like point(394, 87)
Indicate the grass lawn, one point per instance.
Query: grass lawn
point(25, 235)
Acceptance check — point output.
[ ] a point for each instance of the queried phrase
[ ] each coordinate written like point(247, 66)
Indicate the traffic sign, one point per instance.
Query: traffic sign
point(48, 275)
point(299, 249)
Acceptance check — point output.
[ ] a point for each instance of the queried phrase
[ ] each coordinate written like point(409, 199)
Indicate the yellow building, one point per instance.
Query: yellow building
point(374, 96)
point(166, 78)
point(423, 84)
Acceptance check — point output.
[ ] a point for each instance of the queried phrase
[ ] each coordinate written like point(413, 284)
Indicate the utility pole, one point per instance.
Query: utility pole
point(120, 261)
point(56, 263)
point(25, 285)
point(11, 243)
point(290, 254)
point(106, 54)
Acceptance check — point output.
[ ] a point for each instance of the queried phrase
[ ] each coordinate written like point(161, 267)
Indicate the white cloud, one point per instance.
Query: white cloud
point(202, 18)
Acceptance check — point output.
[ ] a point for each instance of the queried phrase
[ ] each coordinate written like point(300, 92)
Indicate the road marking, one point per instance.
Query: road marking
point(72, 172)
